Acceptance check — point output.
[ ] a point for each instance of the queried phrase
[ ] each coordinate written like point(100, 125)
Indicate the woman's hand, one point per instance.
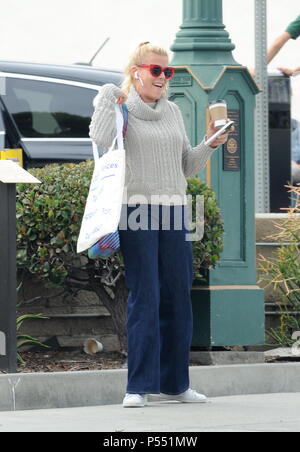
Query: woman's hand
point(288, 71)
point(222, 138)
point(121, 99)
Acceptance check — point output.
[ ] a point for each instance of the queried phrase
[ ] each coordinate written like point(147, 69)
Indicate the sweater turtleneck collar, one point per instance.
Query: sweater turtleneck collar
point(140, 109)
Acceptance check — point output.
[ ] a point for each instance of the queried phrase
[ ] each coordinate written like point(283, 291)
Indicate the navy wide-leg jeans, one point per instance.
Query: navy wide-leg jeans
point(159, 275)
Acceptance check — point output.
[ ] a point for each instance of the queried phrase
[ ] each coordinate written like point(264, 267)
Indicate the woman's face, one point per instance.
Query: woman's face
point(153, 86)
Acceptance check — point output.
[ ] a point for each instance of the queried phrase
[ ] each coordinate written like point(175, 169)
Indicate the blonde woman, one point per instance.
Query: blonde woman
point(157, 256)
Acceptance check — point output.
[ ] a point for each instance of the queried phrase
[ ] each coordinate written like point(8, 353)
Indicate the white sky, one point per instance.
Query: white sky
point(68, 31)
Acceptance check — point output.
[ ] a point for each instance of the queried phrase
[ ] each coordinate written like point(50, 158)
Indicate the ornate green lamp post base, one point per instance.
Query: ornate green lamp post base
point(230, 309)
point(228, 315)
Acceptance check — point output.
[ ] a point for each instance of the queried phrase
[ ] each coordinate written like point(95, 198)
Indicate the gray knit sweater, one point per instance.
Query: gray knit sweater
point(159, 156)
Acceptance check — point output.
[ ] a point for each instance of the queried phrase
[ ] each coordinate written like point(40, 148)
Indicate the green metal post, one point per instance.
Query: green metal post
point(229, 310)
point(202, 38)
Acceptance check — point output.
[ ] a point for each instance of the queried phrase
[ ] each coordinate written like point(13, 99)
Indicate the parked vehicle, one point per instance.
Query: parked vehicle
point(46, 109)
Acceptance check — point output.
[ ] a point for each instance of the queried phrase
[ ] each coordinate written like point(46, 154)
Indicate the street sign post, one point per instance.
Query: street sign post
point(10, 174)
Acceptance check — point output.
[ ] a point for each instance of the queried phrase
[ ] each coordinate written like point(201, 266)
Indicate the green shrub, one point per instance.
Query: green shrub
point(49, 217)
point(282, 272)
point(207, 252)
point(24, 339)
point(48, 223)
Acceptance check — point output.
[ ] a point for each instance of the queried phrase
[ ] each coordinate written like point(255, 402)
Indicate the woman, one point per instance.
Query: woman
point(158, 259)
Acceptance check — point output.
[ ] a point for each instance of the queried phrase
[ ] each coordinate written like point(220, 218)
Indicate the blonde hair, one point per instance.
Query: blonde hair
point(137, 58)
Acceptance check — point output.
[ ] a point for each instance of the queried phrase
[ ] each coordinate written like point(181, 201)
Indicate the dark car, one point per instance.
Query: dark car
point(46, 109)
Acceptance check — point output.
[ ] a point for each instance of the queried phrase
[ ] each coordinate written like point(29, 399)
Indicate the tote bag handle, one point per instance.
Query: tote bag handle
point(118, 138)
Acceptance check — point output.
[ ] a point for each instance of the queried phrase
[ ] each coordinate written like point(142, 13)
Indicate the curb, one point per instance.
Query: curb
point(93, 388)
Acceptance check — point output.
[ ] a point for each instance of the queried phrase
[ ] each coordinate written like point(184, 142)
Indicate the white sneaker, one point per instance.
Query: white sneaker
point(134, 400)
point(189, 396)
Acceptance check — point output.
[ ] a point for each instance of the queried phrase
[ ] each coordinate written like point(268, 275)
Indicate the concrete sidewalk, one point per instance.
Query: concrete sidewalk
point(38, 391)
point(246, 413)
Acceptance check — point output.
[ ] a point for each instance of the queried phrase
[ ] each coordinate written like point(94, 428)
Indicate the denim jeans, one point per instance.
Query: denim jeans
point(159, 275)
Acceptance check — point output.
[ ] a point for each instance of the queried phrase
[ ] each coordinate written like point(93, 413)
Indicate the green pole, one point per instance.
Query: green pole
point(202, 37)
point(229, 308)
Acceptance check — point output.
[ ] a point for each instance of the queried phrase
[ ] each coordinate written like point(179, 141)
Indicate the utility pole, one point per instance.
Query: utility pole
point(262, 164)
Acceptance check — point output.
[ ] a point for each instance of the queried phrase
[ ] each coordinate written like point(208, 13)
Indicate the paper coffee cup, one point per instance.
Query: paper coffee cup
point(218, 112)
point(92, 346)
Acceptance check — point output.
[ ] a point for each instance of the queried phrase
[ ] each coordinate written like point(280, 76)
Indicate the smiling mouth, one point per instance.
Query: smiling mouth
point(158, 85)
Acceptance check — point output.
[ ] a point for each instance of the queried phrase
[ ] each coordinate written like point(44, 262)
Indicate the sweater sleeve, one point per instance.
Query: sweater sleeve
point(194, 160)
point(103, 123)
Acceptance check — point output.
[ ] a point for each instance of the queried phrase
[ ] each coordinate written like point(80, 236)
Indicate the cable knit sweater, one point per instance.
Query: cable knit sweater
point(159, 156)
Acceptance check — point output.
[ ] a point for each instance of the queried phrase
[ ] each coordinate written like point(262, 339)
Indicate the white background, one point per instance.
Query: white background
point(68, 31)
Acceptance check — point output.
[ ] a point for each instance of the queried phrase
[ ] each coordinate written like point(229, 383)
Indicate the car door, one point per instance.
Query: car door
point(51, 117)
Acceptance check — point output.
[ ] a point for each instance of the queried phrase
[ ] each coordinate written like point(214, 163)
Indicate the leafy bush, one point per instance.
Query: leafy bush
point(48, 223)
point(206, 252)
point(24, 339)
point(49, 217)
point(282, 272)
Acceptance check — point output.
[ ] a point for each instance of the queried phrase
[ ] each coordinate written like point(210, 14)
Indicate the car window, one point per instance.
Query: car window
point(49, 110)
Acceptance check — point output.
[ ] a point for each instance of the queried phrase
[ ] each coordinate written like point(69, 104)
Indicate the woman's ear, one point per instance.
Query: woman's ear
point(133, 71)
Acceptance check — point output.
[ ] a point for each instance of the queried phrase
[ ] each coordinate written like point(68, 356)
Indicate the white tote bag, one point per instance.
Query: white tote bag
point(104, 203)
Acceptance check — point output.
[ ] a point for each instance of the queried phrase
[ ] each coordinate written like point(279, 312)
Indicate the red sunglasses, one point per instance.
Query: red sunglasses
point(157, 70)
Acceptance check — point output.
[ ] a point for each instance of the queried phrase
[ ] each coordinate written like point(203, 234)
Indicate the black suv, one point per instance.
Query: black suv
point(46, 109)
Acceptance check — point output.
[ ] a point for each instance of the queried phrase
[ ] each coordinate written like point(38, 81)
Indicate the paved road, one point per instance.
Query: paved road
point(247, 413)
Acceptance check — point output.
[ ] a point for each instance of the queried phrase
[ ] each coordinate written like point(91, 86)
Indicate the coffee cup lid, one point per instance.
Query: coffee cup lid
point(218, 101)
